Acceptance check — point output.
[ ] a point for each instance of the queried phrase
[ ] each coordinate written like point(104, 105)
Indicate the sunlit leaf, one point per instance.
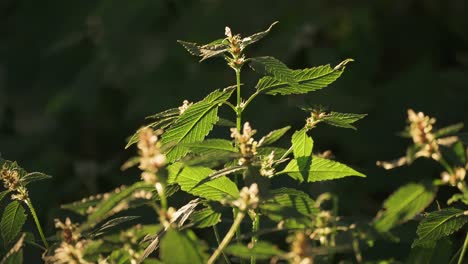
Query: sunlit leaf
point(439, 224)
point(273, 136)
point(320, 170)
point(189, 179)
point(307, 80)
point(34, 176)
point(274, 68)
point(194, 124)
point(404, 204)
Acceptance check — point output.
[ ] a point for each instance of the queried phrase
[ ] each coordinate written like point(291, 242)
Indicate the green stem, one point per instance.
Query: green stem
point(238, 106)
point(227, 238)
point(36, 220)
point(250, 99)
point(462, 254)
point(255, 228)
point(218, 239)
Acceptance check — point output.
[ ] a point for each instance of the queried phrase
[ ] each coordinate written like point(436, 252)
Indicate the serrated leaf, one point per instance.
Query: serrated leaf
point(189, 178)
point(194, 124)
point(273, 136)
point(257, 36)
point(81, 207)
point(274, 68)
point(320, 170)
point(307, 80)
point(439, 224)
point(34, 176)
point(211, 146)
point(448, 130)
point(292, 206)
point(404, 205)
point(3, 194)
point(205, 218)
point(112, 223)
point(163, 120)
point(302, 149)
point(109, 206)
point(181, 247)
point(205, 51)
point(223, 172)
point(262, 250)
point(342, 119)
point(12, 221)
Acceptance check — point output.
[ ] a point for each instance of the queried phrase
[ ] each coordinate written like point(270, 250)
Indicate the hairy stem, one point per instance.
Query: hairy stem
point(227, 238)
point(218, 239)
point(462, 254)
point(255, 228)
point(36, 220)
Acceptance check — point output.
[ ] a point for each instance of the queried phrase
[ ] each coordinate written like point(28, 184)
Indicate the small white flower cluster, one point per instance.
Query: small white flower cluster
point(245, 141)
point(151, 158)
point(248, 198)
point(10, 175)
point(457, 178)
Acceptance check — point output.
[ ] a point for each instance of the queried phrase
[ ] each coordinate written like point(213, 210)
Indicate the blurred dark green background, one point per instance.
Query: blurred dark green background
point(78, 77)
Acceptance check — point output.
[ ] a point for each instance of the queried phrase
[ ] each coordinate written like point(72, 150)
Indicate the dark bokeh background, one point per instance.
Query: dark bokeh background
point(78, 77)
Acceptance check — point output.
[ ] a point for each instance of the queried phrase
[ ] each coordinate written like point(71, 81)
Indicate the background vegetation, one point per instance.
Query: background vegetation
point(77, 78)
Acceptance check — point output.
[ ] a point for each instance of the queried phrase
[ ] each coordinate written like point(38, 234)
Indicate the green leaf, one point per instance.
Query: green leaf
point(181, 247)
point(3, 194)
point(110, 206)
point(274, 68)
point(12, 221)
point(404, 205)
point(294, 207)
point(205, 218)
point(81, 207)
point(273, 136)
point(205, 51)
point(194, 124)
point(307, 80)
point(257, 36)
point(321, 170)
point(163, 120)
point(34, 176)
point(342, 119)
point(302, 149)
point(265, 151)
point(449, 130)
point(262, 250)
point(439, 224)
point(440, 252)
point(189, 178)
point(211, 146)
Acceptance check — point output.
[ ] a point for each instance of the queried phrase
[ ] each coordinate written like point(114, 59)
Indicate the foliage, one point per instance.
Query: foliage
point(227, 183)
